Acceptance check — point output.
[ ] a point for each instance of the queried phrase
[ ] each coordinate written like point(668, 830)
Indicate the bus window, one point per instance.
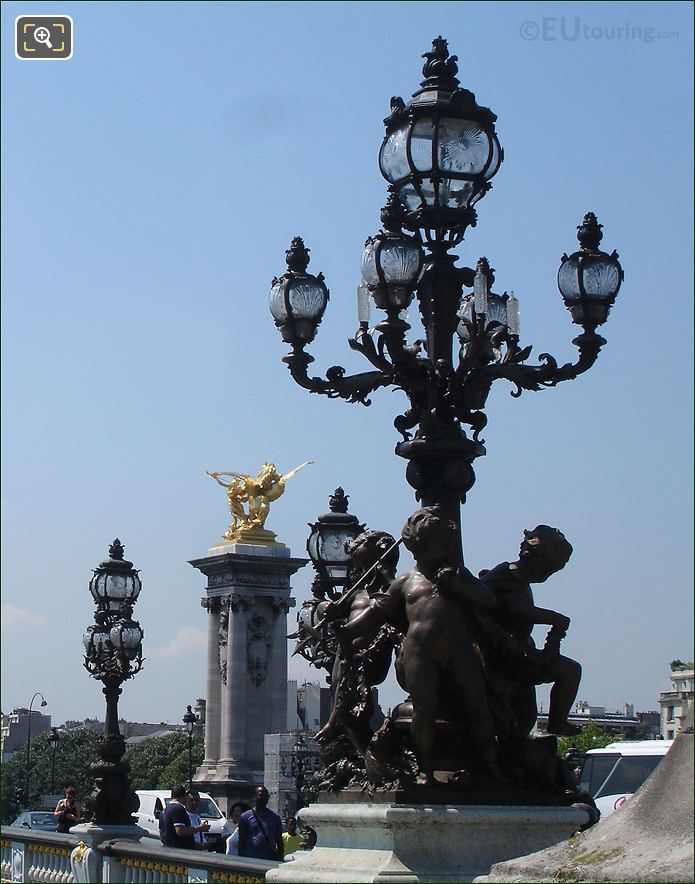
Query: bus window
point(595, 771)
point(629, 774)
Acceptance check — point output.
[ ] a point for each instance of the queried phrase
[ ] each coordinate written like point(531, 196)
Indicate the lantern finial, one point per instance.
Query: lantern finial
point(589, 232)
point(440, 68)
point(116, 550)
point(338, 501)
point(393, 214)
point(297, 256)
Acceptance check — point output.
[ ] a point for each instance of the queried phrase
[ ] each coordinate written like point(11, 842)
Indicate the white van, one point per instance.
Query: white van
point(612, 774)
point(153, 802)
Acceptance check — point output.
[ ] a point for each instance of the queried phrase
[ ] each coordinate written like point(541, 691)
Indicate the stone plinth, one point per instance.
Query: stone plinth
point(85, 863)
point(418, 842)
point(247, 600)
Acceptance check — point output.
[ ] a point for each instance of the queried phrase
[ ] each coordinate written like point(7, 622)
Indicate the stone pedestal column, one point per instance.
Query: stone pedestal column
point(212, 704)
point(251, 585)
point(233, 730)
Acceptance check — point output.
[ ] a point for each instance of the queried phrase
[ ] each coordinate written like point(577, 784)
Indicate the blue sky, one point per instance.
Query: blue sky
point(150, 187)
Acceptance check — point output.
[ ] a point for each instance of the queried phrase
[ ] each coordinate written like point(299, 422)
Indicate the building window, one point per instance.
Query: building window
point(669, 735)
point(669, 714)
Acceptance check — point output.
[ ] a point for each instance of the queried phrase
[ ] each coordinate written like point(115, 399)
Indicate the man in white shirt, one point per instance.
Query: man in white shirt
point(192, 804)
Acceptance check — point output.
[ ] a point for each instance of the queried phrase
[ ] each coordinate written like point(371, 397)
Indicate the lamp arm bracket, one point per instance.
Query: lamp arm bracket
point(363, 343)
point(336, 385)
point(534, 377)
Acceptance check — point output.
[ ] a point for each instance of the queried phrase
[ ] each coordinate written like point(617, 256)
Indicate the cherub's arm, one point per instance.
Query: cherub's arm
point(461, 583)
point(526, 612)
point(378, 612)
point(339, 608)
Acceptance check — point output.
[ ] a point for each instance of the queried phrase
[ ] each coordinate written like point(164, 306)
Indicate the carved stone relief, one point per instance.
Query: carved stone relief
point(222, 644)
point(258, 641)
point(233, 578)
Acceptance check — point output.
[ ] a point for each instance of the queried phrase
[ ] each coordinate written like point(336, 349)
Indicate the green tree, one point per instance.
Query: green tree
point(591, 736)
point(160, 762)
point(76, 751)
point(156, 763)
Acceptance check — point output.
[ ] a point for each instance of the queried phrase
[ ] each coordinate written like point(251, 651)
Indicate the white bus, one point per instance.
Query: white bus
point(612, 774)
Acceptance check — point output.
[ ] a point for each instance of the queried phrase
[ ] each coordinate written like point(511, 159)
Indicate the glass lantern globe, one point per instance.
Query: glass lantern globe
point(392, 263)
point(126, 637)
point(329, 534)
point(115, 582)
point(589, 280)
point(95, 640)
point(298, 299)
point(440, 150)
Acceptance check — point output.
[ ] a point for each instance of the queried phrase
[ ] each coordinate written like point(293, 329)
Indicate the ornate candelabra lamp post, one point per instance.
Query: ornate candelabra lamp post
point(113, 654)
point(439, 155)
point(53, 741)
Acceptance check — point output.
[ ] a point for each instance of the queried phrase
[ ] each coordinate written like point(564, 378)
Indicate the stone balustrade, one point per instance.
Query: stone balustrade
point(33, 856)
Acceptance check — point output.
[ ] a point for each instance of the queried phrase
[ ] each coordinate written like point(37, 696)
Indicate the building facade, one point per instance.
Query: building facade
point(626, 724)
point(676, 702)
point(15, 729)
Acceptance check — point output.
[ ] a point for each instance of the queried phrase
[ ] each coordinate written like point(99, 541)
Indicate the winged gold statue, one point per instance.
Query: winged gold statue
point(249, 501)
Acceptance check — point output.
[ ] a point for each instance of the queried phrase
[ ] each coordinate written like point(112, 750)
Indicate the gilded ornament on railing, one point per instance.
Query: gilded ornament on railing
point(46, 848)
point(148, 865)
point(229, 878)
point(249, 502)
point(80, 851)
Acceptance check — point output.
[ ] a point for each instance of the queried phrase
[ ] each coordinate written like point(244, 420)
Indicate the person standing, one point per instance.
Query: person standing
point(260, 829)
point(175, 829)
point(238, 808)
point(67, 810)
point(192, 804)
point(291, 839)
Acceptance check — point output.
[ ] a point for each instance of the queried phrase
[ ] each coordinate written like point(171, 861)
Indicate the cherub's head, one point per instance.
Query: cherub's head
point(368, 547)
point(429, 534)
point(543, 552)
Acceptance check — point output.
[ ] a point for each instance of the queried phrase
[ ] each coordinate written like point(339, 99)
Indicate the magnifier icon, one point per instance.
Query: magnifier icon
point(43, 35)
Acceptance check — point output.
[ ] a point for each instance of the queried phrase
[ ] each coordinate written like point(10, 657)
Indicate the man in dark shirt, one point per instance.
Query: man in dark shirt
point(260, 830)
point(175, 829)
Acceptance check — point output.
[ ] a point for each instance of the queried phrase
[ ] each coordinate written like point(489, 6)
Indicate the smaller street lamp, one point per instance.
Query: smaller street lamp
point(392, 263)
point(440, 151)
point(326, 543)
point(28, 763)
point(298, 299)
point(589, 279)
point(189, 720)
point(53, 740)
